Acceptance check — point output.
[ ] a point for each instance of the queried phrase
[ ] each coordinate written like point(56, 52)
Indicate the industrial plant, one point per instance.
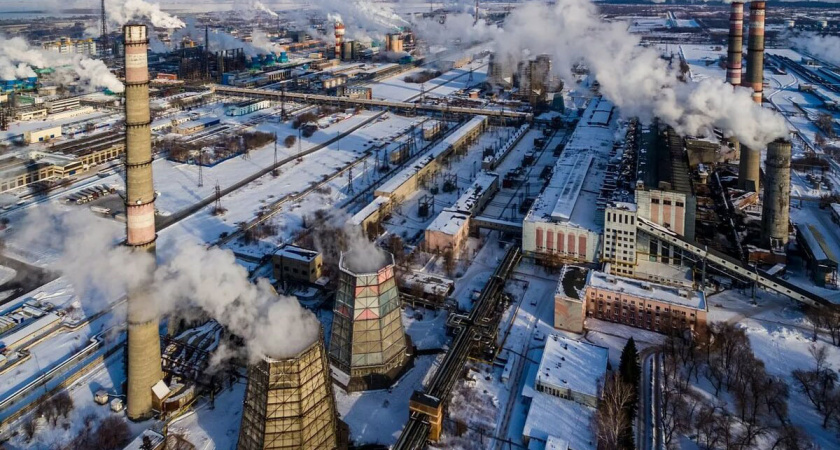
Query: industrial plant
point(362, 225)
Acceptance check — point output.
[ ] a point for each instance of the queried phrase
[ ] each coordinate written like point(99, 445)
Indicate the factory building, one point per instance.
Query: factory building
point(535, 80)
point(449, 231)
point(393, 42)
point(296, 264)
point(562, 224)
point(289, 404)
point(194, 126)
point(247, 107)
point(44, 134)
point(820, 258)
point(643, 304)
point(450, 228)
point(62, 104)
point(499, 72)
point(368, 348)
point(72, 46)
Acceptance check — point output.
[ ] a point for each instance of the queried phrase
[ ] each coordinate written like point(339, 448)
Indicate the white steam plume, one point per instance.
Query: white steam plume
point(362, 18)
point(121, 12)
point(824, 47)
point(18, 58)
point(252, 5)
point(633, 77)
point(188, 276)
point(270, 324)
point(362, 255)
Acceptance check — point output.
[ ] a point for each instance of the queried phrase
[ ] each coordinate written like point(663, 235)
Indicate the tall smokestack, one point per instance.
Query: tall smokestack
point(736, 42)
point(775, 213)
point(339, 37)
point(755, 51)
point(143, 339)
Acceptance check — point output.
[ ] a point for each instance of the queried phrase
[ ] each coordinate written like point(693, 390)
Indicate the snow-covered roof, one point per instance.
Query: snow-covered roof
point(580, 171)
point(300, 254)
point(368, 210)
point(571, 364)
point(482, 183)
point(556, 443)
point(32, 327)
point(137, 444)
point(448, 222)
point(645, 289)
point(551, 416)
point(160, 390)
point(821, 250)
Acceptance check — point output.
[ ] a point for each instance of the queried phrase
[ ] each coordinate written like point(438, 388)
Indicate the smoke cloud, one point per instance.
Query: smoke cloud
point(363, 19)
point(121, 12)
point(18, 58)
point(188, 276)
point(633, 77)
point(252, 5)
point(824, 47)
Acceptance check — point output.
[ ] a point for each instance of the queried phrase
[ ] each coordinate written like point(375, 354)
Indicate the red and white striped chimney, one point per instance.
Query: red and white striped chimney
point(736, 42)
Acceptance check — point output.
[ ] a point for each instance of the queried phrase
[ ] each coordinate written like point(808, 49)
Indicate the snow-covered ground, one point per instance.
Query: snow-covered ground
point(377, 417)
point(396, 88)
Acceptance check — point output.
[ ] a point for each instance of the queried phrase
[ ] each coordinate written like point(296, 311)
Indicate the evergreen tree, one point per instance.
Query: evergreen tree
point(631, 374)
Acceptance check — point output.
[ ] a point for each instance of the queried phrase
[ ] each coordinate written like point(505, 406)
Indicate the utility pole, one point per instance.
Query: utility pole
point(200, 170)
point(350, 180)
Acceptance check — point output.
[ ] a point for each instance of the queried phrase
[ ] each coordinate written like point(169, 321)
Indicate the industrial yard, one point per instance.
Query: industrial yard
point(376, 225)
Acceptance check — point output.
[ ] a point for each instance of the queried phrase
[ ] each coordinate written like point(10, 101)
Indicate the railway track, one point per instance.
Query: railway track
point(468, 331)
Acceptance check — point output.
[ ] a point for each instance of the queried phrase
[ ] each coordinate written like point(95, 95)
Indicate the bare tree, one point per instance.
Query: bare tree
point(611, 419)
point(112, 433)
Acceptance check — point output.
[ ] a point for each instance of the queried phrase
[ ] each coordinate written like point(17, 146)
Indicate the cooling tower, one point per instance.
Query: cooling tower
point(289, 404)
point(143, 339)
point(755, 51)
point(736, 42)
point(368, 341)
point(775, 213)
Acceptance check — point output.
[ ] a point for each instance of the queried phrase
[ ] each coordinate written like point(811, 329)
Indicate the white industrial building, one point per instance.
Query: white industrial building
point(247, 107)
point(564, 221)
point(44, 134)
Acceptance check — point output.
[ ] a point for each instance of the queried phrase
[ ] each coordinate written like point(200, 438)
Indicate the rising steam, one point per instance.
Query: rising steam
point(633, 77)
point(121, 12)
point(824, 47)
point(252, 5)
point(363, 18)
point(18, 60)
point(188, 276)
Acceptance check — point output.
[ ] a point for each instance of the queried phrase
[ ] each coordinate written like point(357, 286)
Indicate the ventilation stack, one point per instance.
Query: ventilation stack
point(736, 42)
point(749, 169)
point(775, 213)
point(755, 51)
point(289, 403)
point(368, 340)
point(339, 37)
point(143, 339)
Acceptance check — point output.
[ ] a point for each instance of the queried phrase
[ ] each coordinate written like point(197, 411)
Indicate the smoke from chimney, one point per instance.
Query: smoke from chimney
point(633, 77)
point(18, 58)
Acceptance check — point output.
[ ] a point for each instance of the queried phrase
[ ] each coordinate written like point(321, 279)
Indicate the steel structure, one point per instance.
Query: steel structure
point(289, 404)
point(347, 102)
point(144, 368)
